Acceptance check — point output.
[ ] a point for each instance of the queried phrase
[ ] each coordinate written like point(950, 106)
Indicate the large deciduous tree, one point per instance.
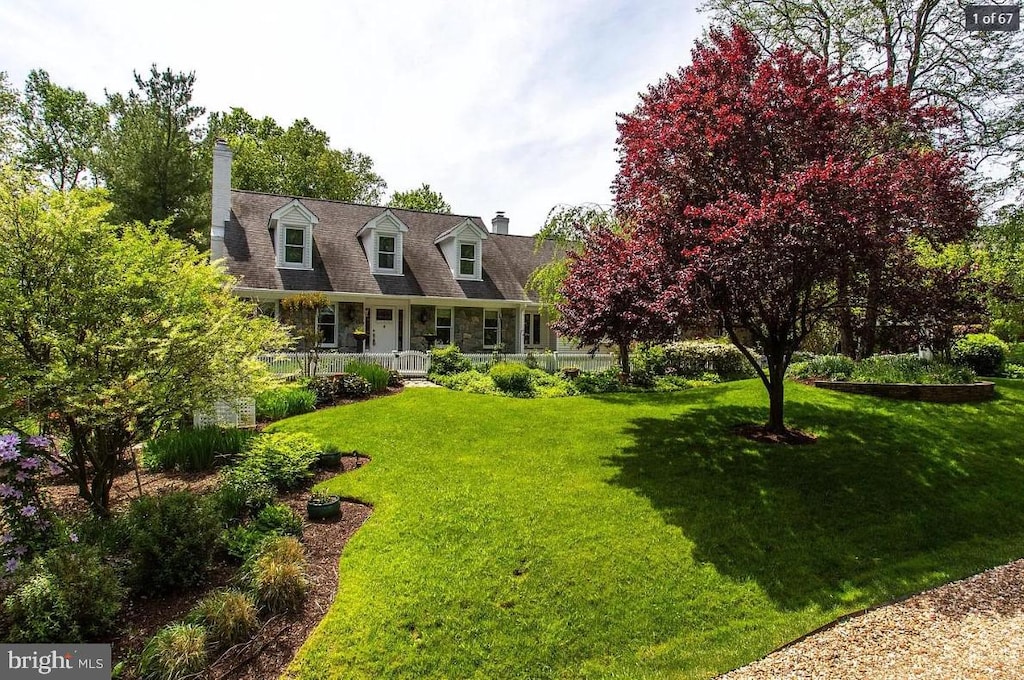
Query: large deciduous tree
point(612, 291)
point(296, 161)
point(8, 119)
point(60, 129)
point(111, 333)
point(152, 160)
point(763, 178)
point(422, 198)
point(921, 45)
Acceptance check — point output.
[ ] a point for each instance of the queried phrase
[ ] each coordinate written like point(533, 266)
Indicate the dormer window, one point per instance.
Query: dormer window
point(382, 240)
point(467, 259)
point(462, 246)
point(292, 229)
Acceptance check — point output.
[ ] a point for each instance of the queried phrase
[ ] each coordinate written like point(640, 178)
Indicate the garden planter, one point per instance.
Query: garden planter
point(571, 373)
point(323, 507)
point(329, 459)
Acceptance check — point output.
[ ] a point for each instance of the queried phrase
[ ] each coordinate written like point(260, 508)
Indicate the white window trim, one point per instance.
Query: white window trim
point(385, 224)
point(528, 342)
point(484, 336)
point(307, 245)
point(450, 326)
point(477, 249)
point(397, 235)
point(334, 308)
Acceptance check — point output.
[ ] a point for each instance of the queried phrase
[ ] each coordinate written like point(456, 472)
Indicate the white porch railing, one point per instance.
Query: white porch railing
point(416, 364)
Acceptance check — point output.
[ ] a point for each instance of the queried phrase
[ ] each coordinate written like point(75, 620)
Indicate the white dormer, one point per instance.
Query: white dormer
point(382, 241)
point(462, 247)
point(292, 227)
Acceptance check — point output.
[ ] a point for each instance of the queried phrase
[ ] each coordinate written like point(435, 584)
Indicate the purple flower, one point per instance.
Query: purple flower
point(11, 565)
point(29, 511)
point(7, 538)
point(55, 469)
point(41, 442)
point(7, 491)
point(21, 476)
point(73, 537)
point(29, 463)
point(20, 551)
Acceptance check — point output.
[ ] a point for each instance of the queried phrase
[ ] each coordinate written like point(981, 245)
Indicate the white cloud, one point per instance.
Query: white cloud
point(499, 105)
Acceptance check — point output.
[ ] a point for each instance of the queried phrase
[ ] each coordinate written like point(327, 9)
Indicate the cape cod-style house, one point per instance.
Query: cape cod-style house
point(400, 275)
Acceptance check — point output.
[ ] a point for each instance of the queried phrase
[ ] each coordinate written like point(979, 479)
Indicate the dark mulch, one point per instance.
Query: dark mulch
point(270, 652)
point(758, 433)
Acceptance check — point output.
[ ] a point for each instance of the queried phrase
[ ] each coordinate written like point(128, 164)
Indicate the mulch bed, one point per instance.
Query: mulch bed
point(272, 649)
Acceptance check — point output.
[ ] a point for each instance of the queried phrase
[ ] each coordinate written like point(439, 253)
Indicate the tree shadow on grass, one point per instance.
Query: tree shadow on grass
point(888, 496)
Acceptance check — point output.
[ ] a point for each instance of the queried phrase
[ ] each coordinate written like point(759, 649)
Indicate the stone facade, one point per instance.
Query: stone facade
point(421, 322)
point(468, 333)
point(508, 329)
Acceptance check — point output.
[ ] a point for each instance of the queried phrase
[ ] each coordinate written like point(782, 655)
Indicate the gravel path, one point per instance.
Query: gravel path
point(968, 629)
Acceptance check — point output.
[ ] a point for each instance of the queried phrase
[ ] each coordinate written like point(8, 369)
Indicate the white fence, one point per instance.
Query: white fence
point(414, 364)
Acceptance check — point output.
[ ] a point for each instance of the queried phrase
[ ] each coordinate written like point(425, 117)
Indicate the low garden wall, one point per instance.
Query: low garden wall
point(979, 391)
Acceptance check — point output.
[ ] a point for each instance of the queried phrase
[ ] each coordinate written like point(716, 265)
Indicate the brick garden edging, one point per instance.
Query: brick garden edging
point(979, 391)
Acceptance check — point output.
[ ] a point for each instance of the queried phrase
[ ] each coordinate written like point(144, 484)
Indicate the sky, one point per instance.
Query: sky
point(498, 105)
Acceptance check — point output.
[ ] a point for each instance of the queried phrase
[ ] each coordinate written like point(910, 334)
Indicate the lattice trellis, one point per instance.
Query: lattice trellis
point(239, 413)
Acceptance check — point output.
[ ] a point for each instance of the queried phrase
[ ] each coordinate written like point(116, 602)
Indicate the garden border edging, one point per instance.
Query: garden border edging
point(949, 394)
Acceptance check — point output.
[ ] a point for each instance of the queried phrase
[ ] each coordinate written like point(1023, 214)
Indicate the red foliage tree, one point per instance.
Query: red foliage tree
point(613, 291)
point(765, 181)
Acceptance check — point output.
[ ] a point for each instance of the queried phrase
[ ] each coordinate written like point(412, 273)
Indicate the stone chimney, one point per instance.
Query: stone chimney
point(499, 225)
point(221, 212)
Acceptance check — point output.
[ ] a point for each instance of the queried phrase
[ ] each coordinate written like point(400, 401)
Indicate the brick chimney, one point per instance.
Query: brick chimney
point(221, 212)
point(499, 225)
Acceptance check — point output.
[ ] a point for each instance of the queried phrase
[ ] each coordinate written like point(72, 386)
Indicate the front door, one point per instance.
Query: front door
point(384, 331)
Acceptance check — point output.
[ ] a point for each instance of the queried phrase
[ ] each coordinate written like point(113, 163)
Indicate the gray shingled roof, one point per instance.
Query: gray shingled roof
point(340, 265)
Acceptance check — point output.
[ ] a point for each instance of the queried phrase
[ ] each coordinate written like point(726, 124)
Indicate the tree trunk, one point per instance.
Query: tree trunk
point(871, 307)
point(776, 395)
point(624, 358)
point(847, 339)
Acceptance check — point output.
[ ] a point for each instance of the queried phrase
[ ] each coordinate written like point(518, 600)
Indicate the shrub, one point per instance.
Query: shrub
point(512, 378)
point(1007, 330)
point(324, 389)
point(377, 376)
point(825, 367)
point(172, 540)
point(984, 353)
point(693, 358)
point(531, 361)
point(26, 519)
point(68, 595)
point(1015, 353)
point(277, 576)
point(274, 520)
point(229, 617)
point(193, 450)
point(284, 458)
point(176, 652)
point(598, 382)
point(243, 491)
point(351, 386)
point(471, 381)
point(1015, 371)
point(394, 378)
point(448, 360)
point(908, 368)
point(285, 401)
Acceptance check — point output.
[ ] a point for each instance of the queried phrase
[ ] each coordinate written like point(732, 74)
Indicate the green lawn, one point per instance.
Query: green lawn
point(632, 536)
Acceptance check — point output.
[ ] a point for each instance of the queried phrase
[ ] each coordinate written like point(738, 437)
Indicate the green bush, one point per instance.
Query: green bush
point(512, 378)
point(471, 381)
point(272, 521)
point(1015, 353)
point(825, 367)
point(285, 401)
point(598, 382)
point(193, 450)
point(448, 360)
point(908, 368)
point(277, 576)
point(1007, 330)
point(172, 541)
point(68, 595)
point(228, 616)
point(324, 389)
point(694, 358)
point(1015, 371)
point(984, 353)
point(351, 386)
point(243, 491)
point(376, 375)
point(176, 652)
point(284, 458)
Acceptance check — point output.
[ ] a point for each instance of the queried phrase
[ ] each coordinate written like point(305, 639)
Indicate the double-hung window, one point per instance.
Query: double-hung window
point(443, 325)
point(327, 326)
point(492, 327)
point(386, 252)
point(531, 330)
point(294, 245)
point(467, 259)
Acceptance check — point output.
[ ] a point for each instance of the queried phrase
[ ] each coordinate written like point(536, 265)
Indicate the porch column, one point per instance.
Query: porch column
point(520, 347)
